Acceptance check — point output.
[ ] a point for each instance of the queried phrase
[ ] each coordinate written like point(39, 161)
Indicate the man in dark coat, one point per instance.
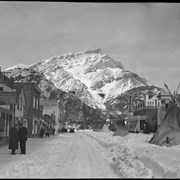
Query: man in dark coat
point(53, 130)
point(13, 139)
point(41, 132)
point(23, 134)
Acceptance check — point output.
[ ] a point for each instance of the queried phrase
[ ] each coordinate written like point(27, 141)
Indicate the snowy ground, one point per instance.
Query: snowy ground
point(69, 155)
point(89, 154)
point(132, 156)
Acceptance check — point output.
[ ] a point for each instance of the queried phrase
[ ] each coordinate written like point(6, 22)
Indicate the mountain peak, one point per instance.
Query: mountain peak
point(87, 73)
point(20, 65)
point(95, 51)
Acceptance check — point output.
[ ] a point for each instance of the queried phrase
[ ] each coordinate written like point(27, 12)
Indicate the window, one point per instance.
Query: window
point(155, 102)
point(1, 88)
point(18, 106)
point(34, 102)
point(21, 104)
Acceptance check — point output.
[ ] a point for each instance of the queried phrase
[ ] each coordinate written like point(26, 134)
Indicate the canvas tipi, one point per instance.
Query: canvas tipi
point(168, 134)
point(104, 128)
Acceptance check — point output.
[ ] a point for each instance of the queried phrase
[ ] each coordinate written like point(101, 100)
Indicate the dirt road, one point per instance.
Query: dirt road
point(71, 155)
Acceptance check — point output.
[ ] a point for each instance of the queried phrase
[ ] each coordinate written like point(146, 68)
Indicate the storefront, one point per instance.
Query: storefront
point(7, 104)
point(6, 121)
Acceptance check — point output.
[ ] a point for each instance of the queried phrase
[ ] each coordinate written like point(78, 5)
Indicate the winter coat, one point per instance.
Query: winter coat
point(13, 138)
point(41, 131)
point(23, 133)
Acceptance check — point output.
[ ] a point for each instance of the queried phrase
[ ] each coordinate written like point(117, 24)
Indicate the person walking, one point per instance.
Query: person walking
point(53, 130)
point(23, 134)
point(13, 139)
point(41, 132)
point(47, 132)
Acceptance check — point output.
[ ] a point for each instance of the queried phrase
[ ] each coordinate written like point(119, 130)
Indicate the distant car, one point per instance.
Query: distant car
point(71, 130)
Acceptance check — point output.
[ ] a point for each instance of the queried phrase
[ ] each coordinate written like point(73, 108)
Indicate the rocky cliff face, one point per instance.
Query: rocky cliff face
point(90, 79)
point(73, 110)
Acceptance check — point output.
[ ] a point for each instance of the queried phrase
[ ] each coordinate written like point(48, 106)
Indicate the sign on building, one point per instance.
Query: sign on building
point(7, 98)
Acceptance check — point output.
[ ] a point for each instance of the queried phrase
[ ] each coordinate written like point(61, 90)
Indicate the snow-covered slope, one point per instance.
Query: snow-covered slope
point(17, 66)
point(88, 74)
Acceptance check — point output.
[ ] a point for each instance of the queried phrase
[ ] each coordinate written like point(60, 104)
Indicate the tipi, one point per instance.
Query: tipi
point(168, 134)
point(98, 127)
point(104, 128)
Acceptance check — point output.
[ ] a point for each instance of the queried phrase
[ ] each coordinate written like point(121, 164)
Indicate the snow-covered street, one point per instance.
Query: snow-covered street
point(63, 155)
point(90, 154)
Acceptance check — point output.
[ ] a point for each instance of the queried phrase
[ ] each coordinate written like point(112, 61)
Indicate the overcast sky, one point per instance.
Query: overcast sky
point(145, 37)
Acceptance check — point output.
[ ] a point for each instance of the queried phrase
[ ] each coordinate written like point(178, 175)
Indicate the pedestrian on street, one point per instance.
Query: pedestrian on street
point(13, 139)
point(23, 134)
point(47, 132)
point(53, 130)
point(42, 132)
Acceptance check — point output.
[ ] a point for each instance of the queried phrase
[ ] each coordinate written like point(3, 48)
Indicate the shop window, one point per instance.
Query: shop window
point(21, 104)
point(18, 106)
point(34, 102)
point(155, 102)
point(2, 123)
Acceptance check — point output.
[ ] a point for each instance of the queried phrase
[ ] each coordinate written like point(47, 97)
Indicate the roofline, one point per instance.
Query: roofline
point(29, 83)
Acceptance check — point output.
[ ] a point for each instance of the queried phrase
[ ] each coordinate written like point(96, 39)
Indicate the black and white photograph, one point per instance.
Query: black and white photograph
point(89, 90)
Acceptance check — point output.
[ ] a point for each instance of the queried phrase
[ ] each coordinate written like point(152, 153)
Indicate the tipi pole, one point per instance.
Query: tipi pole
point(177, 88)
point(169, 91)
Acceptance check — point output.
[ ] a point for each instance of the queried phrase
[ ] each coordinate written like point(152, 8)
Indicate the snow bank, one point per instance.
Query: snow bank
point(132, 156)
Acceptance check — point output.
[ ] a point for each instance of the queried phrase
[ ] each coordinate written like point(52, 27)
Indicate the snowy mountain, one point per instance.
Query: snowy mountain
point(20, 66)
point(92, 76)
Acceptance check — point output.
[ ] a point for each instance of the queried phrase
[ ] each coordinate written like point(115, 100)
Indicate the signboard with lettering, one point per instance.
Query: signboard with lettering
point(7, 98)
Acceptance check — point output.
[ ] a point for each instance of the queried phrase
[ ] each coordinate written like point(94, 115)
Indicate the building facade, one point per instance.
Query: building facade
point(51, 107)
point(152, 109)
point(49, 122)
point(7, 104)
point(20, 104)
point(33, 112)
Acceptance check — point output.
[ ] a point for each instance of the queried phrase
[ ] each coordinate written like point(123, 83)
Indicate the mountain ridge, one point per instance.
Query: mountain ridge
point(88, 74)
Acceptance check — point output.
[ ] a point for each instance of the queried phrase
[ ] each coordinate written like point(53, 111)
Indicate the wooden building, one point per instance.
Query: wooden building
point(33, 112)
point(20, 104)
point(149, 110)
point(7, 104)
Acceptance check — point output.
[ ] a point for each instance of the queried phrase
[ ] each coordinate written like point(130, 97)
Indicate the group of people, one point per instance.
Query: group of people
point(18, 136)
point(46, 131)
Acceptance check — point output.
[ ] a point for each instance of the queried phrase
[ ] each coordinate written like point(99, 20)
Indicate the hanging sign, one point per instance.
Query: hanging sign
point(7, 98)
